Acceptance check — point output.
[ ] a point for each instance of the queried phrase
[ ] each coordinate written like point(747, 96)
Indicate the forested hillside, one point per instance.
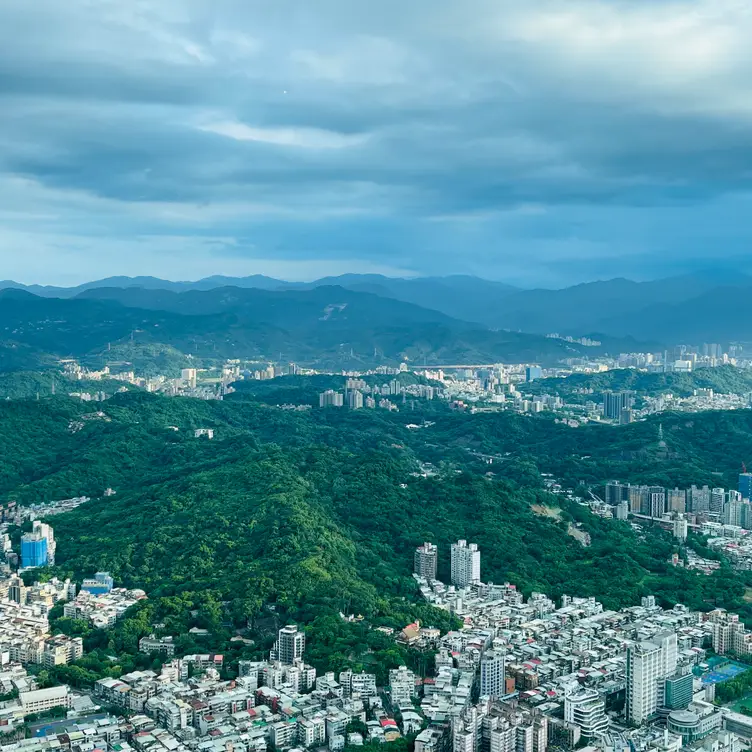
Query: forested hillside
point(723, 379)
point(328, 327)
point(288, 515)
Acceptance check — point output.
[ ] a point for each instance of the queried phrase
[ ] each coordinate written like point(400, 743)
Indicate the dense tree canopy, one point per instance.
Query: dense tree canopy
point(303, 516)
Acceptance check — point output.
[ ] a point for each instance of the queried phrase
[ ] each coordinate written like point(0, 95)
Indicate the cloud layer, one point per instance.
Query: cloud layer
point(536, 142)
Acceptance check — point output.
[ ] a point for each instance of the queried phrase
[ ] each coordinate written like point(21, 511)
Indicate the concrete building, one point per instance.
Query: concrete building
point(649, 664)
point(426, 561)
point(492, 674)
point(681, 528)
point(290, 645)
point(585, 708)
point(189, 375)
point(61, 650)
point(676, 500)
point(355, 400)
point(401, 686)
point(42, 700)
point(330, 398)
point(101, 584)
point(465, 563)
point(678, 691)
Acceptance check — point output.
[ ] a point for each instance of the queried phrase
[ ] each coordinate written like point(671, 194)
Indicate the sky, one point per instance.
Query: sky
point(537, 142)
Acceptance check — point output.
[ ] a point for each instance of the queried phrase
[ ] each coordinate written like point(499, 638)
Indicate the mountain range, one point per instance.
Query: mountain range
point(707, 306)
point(326, 327)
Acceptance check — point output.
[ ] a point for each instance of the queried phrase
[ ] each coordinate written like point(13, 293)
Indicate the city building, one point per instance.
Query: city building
point(680, 527)
point(676, 500)
point(465, 563)
point(330, 398)
point(290, 645)
point(426, 561)
point(189, 376)
point(401, 686)
point(649, 664)
point(585, 708)
point(46, 531)
point(33, 550)
point(492, 674)
point(616, 492)
point(678, 691)
point(745, 485)
point(615, 402)
point(100, 585)
point(355, 400)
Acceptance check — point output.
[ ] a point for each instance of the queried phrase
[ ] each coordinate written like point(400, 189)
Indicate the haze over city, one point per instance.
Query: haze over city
point(535, 143)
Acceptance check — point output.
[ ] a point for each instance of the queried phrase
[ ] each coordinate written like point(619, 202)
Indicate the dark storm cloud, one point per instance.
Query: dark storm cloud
point(538, 142)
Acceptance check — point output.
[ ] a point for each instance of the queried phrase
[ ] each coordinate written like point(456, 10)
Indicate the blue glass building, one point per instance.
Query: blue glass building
point(33, 551)
point(533, 372)
point(745, 485)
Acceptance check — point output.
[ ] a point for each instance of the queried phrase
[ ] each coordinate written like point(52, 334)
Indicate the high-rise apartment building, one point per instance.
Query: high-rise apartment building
point(616, 492)
point(717, 501)
point(676, 500)
point(189, 375)
point(426, 561)
point(649, 664)
point(330, 398)
point(492, 674)
point(698, 499)
point(734, 512)
point(729, 634)
point(656, 498)
point(616, 402)
point(465, 563)
point(637, 497)
point(355, 400)
point(290, 645)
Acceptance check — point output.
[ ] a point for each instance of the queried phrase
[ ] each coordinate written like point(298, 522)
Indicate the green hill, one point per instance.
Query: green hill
point(724, 379)
point(302, 515)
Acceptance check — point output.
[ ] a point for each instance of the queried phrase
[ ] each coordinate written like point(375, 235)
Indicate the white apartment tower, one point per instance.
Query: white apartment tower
point(649, 664)
point(290, 645)
point(492, 674)
point(681, 527)
point(465, 563)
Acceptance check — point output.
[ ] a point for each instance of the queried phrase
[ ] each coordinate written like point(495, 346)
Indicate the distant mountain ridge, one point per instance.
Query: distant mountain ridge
point(326, 327)
point(692, 308)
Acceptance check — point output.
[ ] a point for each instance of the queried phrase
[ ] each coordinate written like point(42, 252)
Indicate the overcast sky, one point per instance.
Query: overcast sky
point(533, 141)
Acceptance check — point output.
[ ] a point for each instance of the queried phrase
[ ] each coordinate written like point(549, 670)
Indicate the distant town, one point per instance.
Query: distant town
point(473, 388)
